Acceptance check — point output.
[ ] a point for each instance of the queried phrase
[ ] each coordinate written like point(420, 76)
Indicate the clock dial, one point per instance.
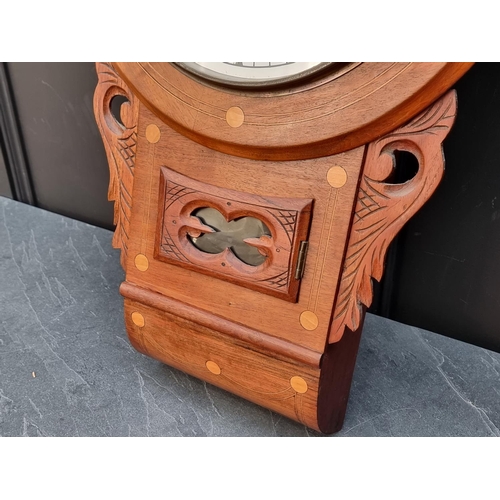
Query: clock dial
point(252, 73)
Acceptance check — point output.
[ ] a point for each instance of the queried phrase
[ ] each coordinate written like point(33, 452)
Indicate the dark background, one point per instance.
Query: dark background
point(443, 270)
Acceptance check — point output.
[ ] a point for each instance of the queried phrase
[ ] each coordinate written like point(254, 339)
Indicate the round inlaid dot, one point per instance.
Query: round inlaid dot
point(141, 262)
point(153, 133)
point(309, 320)
point(213, 367)
point(138, 319)
point(336, 176)
point(298, 384)
point(235, 117)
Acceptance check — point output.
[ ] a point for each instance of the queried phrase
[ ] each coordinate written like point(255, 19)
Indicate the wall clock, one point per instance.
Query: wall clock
point(254, 205)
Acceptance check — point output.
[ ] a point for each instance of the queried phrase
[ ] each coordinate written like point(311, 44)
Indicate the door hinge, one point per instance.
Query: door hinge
point(301, 260)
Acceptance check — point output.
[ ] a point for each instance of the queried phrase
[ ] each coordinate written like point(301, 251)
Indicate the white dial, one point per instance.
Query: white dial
point(252, 73)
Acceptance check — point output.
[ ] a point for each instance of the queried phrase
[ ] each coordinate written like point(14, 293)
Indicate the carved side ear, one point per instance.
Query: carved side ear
point(383, 208)
point(120, 138)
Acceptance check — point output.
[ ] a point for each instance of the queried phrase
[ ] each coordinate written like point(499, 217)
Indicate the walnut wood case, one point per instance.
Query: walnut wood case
point(313, 162)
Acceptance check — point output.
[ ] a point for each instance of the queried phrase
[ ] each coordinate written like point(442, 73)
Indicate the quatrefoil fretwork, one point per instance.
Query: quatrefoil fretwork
point(247, 237)
point(242, 238)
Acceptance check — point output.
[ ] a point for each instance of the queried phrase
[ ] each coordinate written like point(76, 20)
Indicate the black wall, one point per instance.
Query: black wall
point(63, 148)
point(444, 268)
point(447, 275)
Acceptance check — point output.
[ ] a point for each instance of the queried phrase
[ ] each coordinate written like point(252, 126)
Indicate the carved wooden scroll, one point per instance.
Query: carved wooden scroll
point(286, 218)
point(120, 140)
point(383, 208)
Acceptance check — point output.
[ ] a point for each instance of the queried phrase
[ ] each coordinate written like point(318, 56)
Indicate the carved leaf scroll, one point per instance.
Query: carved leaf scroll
point(120, 139)
point(383, 208)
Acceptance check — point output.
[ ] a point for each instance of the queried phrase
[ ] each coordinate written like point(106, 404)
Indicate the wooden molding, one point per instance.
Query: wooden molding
point(120, 144)
point(234, 332)
point(337, 115)
point(383, 208)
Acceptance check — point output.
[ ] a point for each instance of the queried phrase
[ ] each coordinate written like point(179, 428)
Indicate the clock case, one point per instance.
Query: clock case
point(314, 163)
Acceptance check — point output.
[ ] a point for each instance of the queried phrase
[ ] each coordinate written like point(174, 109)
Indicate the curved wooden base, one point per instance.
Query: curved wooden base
point(301, 384)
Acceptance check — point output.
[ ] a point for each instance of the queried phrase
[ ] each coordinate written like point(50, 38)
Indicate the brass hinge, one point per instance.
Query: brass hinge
point(301, 260)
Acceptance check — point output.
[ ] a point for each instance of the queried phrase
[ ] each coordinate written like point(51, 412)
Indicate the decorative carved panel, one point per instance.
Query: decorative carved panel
point(286, 218)
point(119, 138)
point(383, 208)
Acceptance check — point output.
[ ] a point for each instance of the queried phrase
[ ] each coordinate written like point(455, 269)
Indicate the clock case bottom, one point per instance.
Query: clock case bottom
point(313, 392)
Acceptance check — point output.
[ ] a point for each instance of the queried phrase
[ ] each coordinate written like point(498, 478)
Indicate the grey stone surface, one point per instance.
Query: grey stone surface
point(67, 369)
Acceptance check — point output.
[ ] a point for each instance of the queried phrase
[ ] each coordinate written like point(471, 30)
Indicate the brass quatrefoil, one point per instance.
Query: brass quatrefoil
point(247, 237)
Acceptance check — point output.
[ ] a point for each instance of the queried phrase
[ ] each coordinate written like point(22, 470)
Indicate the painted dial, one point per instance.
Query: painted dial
point(252, 73)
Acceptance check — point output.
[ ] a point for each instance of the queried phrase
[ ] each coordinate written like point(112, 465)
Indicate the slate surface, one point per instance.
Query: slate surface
point(67, 369)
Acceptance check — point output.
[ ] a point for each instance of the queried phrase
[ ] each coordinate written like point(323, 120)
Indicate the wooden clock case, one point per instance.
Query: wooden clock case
point(313, 162)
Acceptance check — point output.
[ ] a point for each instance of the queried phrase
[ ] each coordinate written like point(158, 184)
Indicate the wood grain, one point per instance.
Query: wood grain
point(266, 344)
point(188, 346)
point(316, 119)
point(306, 179)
